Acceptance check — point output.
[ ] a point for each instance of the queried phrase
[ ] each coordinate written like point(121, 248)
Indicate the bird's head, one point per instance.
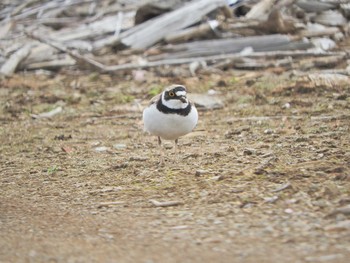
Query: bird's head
point(175, 97)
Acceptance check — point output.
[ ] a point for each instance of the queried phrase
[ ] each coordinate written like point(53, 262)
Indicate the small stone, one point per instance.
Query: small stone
point(200, 172)
point(288, 211)
point(168, 146)
point(95, 143)
point(120, 146)
point(271, 199)
point(101, 149)
point(218, 177)
point(248, 151)
point(229, 134)
point(286, 106)
point(320, 155)
point(206, 101)
point(291, 201)
point(268, 131)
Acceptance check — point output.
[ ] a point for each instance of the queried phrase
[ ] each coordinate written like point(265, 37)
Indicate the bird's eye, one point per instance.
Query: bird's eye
point(171, 94)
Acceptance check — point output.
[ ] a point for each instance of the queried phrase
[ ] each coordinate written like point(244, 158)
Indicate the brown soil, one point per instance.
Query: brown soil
point(260, 180)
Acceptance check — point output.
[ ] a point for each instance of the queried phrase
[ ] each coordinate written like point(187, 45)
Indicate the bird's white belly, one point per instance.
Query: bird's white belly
point(168, 126)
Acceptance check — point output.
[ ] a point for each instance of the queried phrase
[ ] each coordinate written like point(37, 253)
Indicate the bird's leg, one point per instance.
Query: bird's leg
point(176, 146)
point(161, 159)
point(176, 150)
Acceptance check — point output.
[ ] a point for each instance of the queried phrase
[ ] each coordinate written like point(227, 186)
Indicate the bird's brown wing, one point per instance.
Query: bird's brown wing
point(154, 99)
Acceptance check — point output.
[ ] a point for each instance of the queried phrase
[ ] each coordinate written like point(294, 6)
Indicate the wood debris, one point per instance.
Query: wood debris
point(165, 203)
point(282, 187)
point(48, 114)
point(110, 36)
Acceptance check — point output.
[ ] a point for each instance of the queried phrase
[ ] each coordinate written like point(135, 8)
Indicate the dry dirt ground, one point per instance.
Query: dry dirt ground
point(266, 178)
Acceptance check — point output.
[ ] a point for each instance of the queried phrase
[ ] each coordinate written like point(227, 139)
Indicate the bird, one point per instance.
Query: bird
point(170, 115)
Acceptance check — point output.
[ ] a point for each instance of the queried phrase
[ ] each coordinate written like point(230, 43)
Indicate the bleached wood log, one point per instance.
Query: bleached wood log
point(266, 55)
point(9, 67)
point(315, 5)
point(50, 5)
point(249, 63)
point(75, 55)
point(146, 34)
point(329, 31)
point(148, 64)
point(52, 64)
point(5, 29)
point(98, 28)
point(165, 204)
point(193, 32)
point(231, 45)
point(260, 10)
point(331, 18)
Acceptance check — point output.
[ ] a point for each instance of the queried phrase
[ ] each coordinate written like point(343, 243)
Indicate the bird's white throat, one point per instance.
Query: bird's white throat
point(174, 104)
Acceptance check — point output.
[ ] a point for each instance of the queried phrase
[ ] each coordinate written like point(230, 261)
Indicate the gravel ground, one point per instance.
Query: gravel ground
point(266, 178)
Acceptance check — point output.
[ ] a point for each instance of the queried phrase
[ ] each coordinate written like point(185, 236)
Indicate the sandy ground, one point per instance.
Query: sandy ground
point(266, 178)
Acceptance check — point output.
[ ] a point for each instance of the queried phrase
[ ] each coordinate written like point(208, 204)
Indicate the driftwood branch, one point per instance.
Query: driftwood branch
point(231, 45)
point(78, 57)
point(191, 33)
point(149, 64)
point(165, 204)
point(40, 8)
point(9, 67)
point(260, 9)
point(146, 34)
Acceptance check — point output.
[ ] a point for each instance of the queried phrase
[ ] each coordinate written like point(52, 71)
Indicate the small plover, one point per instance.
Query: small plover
point(170, 114)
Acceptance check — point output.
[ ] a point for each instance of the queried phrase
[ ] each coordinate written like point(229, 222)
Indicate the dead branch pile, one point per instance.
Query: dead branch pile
point(111, 36)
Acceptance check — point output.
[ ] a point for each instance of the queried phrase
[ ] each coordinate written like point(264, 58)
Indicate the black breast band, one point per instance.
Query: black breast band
point(183, 112)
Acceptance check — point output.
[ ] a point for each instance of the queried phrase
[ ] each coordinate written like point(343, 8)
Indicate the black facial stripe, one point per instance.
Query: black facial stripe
point(174, 90)
point(162, 108)
point(179, 88)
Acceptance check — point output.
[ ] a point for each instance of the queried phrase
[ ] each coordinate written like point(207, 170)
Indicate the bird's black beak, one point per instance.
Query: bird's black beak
point(183, 99)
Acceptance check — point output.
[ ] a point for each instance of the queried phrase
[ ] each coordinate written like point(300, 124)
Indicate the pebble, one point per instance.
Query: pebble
point(288, 211)
point(168, 146)
point(206, 101)
point(271, 199)
point(286, 106)
point(268, 131)
point(120, 146)
point(200, 172)
point(249, 151)
point(101, 149)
